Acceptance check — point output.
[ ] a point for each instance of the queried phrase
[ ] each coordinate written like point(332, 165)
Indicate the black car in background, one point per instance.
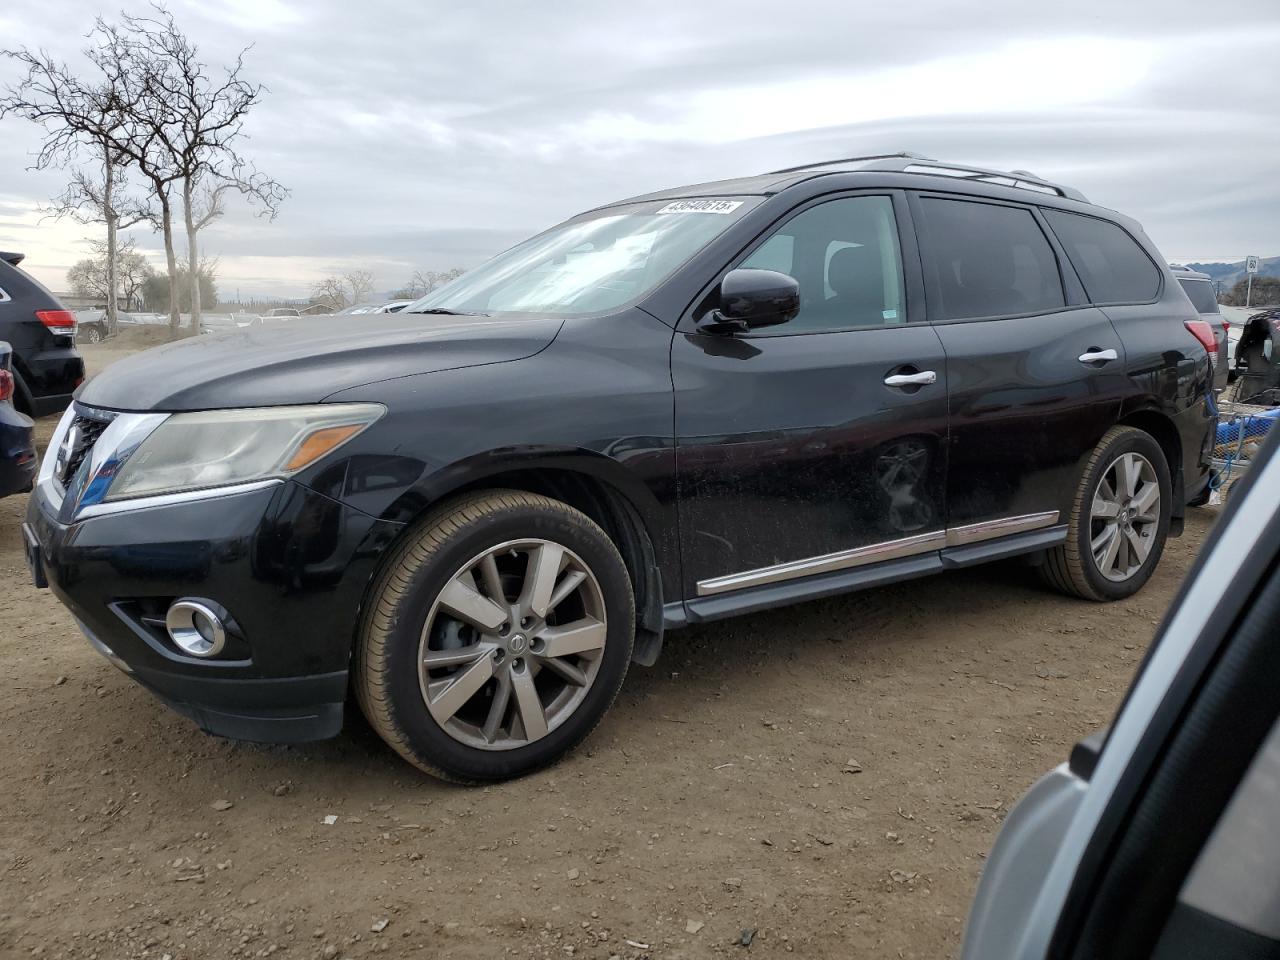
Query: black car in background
point(46, 367)
point(17, 434)
point(685, 406)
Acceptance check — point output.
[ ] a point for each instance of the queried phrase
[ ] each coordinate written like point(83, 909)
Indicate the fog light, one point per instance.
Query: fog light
point(196, 628)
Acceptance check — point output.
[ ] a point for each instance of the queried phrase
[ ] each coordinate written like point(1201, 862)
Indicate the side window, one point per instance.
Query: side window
point(1111, 265)
point(989, 260)
point(1201, 295)
point(846, 258)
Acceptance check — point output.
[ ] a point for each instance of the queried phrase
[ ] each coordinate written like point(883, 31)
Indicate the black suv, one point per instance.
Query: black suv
point(46, 367)
point(689, 405)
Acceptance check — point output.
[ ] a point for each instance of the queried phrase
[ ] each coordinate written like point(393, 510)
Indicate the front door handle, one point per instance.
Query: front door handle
point(911, 379)
point(1094, 355)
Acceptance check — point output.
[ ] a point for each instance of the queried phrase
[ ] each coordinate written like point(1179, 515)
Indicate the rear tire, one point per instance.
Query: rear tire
point(497, 636)
point(1115, 533)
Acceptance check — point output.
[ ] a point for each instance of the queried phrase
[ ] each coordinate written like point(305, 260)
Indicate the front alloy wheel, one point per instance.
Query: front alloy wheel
point(496, 638)
point(513, 644)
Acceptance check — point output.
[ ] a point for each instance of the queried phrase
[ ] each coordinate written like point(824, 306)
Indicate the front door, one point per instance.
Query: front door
point(1034, 374)
point(818, 444)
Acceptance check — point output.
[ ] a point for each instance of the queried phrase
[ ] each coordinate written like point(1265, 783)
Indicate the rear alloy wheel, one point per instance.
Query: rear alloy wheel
point(92, 334)
point(498, 636)
point(1119, 520)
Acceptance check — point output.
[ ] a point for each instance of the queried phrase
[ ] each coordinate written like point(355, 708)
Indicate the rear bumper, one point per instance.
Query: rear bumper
point(18, 461)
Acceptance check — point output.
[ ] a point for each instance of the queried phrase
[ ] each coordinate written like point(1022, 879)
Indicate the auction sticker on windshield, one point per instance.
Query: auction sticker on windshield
point(701, 206)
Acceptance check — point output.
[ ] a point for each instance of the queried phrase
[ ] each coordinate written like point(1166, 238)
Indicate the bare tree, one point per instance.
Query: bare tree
point(92, 277)
point(76, 114)
point(330, 292)
point(91, 199)
point(361, 284)
point(428, 280)
point(196, 119)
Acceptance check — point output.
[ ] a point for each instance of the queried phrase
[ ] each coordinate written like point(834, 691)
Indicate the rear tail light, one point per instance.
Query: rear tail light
point(61, 322)
point(6, 385)
point(1202, 331)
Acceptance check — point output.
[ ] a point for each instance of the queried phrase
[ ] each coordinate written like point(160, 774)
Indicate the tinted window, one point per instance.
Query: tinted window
point(989, 261)
point(1111, 265)
point(845, 256)
point(1201, 294)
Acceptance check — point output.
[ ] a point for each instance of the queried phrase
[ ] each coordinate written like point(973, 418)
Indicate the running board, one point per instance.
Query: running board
point(818, 586)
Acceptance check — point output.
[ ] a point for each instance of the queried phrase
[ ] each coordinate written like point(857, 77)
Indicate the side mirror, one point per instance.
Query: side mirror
point(753, 298)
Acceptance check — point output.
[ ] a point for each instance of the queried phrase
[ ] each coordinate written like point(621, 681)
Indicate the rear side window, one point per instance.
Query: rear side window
point(1201, 294)
point(989, 260)
point(1111, 265)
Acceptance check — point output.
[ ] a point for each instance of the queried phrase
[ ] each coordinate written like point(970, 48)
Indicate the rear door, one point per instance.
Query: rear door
point(817, 445)
point(1035, 375)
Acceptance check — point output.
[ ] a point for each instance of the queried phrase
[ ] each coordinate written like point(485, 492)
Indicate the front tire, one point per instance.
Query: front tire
point(496, 638)
point(1119, 520)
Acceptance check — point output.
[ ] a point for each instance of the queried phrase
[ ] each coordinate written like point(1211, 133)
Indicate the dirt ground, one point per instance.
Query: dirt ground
point(828, 776)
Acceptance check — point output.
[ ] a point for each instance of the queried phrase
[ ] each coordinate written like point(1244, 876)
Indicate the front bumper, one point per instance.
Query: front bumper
point(289, 565)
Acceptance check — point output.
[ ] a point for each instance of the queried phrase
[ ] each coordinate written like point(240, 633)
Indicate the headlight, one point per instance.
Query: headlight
point(218, 448)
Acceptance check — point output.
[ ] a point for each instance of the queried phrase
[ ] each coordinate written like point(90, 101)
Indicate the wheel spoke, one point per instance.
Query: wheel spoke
point(461, 599)
point(529, 705)
point(1105, 547)
point(1139, 546)
point(447, 697)
point(1127, 471)
point(540, 578)
point(1104, 509)
point(572, 580)
point(581, 636)
point(498, 708)
point(436, 659)
point(564, 668)
point(1147, 498)
point(491, 579)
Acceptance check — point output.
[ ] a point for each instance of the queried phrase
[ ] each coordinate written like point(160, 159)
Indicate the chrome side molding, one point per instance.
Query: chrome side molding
point(878, 552)
point(990, 529)
point(874, 553)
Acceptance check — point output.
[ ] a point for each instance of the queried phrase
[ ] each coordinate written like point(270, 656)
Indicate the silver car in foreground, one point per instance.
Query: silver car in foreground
point(1161, 837)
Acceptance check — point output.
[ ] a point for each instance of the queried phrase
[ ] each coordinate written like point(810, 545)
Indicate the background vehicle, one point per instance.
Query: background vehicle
point(92, 325)
point(681, 407)
point(389, 306)
point(1161, 837)
point(286, 313)
point(46, 367)
point(1199, 290)
point(17, 434)
point(224, 322)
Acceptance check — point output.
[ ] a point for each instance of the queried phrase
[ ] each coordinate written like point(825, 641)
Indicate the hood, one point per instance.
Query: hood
point(307, 359)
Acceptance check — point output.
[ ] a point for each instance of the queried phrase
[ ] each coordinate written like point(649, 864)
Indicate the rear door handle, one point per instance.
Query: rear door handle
point(1098, 356)
point(911, 379)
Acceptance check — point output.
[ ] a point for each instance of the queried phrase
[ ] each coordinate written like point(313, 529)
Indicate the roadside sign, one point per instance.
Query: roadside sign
point(1250, 264)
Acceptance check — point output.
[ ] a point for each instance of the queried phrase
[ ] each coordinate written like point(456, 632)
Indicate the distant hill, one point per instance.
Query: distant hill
point(1229, 273)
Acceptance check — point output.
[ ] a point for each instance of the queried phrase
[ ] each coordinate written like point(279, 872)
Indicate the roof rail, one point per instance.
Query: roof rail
point(915, 163)
point(905, 155)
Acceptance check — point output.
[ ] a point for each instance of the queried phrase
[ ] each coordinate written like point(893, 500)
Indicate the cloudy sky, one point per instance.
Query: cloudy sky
point(433, 134)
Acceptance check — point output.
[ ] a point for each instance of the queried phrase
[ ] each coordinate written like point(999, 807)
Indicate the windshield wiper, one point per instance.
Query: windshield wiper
point(445, 311)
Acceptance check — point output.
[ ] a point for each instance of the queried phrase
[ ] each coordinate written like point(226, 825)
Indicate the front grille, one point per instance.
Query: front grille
point(77, 445)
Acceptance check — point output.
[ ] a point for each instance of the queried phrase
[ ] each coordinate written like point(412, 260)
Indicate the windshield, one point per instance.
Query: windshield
point(592, 264)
